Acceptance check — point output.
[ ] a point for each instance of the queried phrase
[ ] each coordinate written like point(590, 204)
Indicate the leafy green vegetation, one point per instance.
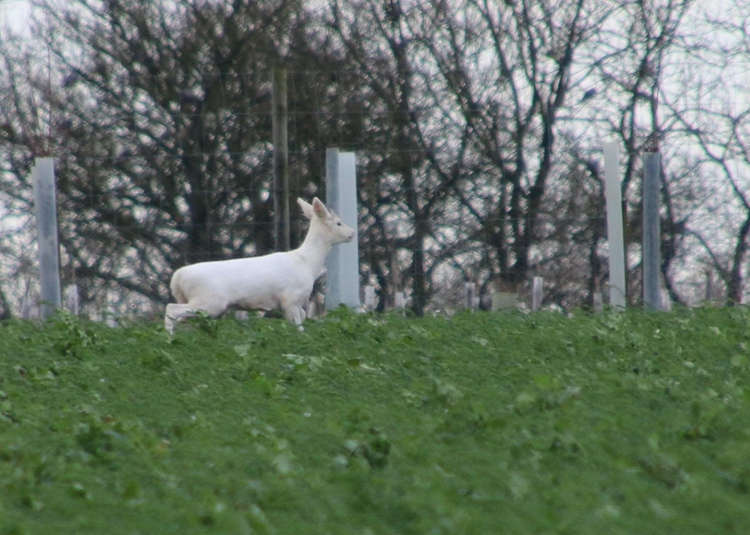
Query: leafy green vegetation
point(481, 423)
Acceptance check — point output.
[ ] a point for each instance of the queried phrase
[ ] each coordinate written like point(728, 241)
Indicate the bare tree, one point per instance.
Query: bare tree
point(500, 88)
point(630, 61)
point(477, 123)
point(715, 114)
point(158, 115)
point(407, 181)
point(511, 95)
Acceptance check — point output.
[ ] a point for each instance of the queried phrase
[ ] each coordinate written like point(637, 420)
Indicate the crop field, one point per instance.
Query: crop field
point(614, 423)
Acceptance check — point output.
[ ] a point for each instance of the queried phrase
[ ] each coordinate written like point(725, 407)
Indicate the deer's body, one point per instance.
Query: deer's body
point(275, 281)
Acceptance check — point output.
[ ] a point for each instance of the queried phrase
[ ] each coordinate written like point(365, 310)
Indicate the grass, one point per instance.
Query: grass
point(480, 423)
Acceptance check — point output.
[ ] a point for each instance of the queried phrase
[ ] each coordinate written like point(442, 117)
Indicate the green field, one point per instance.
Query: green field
point(482, 423)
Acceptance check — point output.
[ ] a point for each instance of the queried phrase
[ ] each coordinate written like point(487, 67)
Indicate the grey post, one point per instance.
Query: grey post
point(614, 226)
point(537, 293)
point(343, 262)
point(651, 230)
point(470, 291)
point(43, 177)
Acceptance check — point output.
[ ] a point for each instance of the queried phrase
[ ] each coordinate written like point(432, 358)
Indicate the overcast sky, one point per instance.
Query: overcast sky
point(13, 14)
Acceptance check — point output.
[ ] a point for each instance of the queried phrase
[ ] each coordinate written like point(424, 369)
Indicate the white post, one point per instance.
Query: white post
point(537, 293)
point(651, 231)
point(43, 177)
point(370, 302)
point(470, 289)
point(343, 262)
point(598, 307)
point(72, 299)
point(614, 226)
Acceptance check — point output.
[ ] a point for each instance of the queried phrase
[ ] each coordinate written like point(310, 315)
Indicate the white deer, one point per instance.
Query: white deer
point(275, 281)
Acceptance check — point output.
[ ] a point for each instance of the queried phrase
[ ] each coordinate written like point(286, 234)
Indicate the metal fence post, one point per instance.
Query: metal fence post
point(614, 226)
point(343, 262)
point(43, 178)
point(651, 230)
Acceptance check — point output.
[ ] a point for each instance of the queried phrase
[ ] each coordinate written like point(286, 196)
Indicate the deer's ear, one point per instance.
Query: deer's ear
point(306, 207)
point(319, 208)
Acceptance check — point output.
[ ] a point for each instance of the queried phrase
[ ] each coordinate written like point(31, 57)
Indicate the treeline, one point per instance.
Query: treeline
point(478, 127)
